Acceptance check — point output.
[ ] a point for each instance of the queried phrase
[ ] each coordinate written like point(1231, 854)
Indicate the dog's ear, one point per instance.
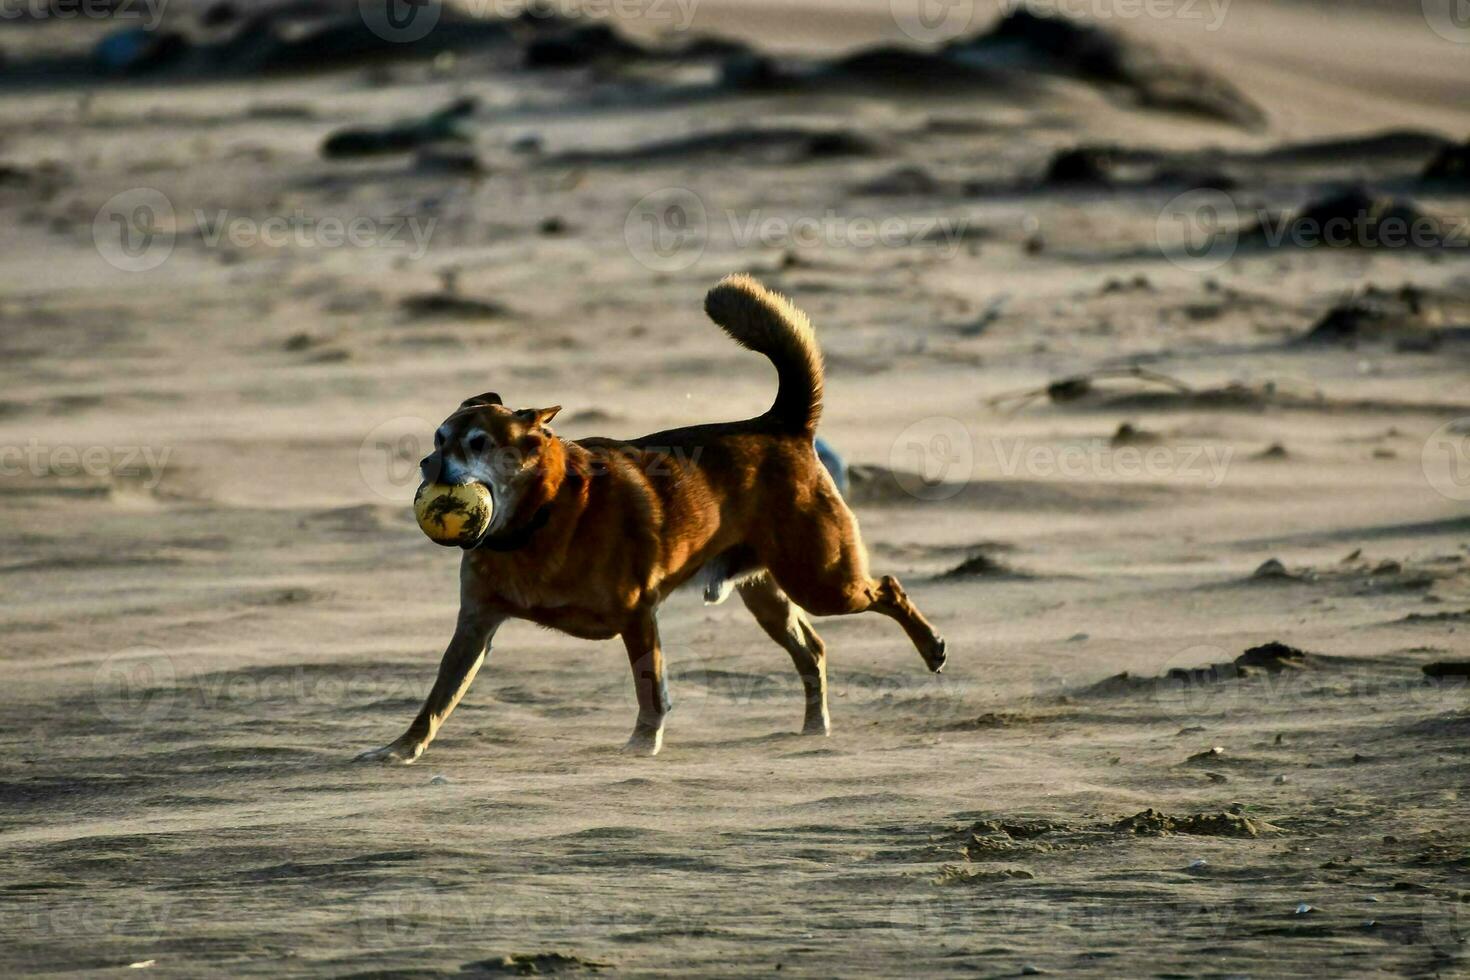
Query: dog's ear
point(536, 417)
point(488, 398)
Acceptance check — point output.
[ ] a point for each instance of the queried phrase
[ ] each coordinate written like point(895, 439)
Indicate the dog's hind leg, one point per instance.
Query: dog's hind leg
point(881, 595)
point(889, 598)
point(462, 660)
point(820, 562)
point(785, 623)
point(647, 660)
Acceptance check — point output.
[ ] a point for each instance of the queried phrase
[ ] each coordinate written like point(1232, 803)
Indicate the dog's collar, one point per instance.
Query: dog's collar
point(516, 537)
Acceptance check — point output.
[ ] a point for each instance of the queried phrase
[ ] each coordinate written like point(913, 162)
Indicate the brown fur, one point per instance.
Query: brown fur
point(590, 536)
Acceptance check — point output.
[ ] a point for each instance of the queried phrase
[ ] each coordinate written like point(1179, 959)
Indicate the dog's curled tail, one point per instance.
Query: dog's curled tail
point(769, 324)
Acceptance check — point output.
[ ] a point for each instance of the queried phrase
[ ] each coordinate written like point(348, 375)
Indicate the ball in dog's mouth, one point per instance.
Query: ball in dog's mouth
point(453, 515)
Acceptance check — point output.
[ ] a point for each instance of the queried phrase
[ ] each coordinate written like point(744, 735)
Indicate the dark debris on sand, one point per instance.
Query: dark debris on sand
point(953, 874)
point(999, 840)
point(1155, 78)
point(1019, 45)
point(1268, 658)
point(1095, 167)
point(1129, 434)
point(560, 42)
point(533, 964)
point(281, 38)
point(1350, 218)
point(1152, 823)
point(1450, 168)
point(981, 566)
point(787, 145)
point(1408, 317)
point(443, 125)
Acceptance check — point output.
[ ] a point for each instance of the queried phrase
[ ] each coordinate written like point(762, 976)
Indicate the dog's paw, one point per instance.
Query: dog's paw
point(398, 753)
point(645, 743)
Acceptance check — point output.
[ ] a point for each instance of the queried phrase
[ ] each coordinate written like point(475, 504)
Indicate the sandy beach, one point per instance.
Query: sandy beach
point(1186, 488)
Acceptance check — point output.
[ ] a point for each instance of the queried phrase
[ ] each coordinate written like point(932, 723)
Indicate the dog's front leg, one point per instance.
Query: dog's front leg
point(647, 661)
point(461, 661)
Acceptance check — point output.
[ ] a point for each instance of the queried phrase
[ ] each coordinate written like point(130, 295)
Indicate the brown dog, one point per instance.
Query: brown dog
point(589, 537)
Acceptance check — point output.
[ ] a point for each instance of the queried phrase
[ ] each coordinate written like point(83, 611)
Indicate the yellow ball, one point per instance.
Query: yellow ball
point(453, 515)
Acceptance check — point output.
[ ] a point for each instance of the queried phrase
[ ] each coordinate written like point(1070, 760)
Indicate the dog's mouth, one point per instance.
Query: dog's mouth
point(494, 516)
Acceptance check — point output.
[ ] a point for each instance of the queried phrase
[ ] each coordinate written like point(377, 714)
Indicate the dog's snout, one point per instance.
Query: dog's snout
point(430, 466)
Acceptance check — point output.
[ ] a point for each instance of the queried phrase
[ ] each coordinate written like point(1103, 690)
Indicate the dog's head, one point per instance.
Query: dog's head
point(503, 449)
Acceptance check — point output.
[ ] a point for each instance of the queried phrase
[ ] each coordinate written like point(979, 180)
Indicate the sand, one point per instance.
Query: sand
point(215, 594)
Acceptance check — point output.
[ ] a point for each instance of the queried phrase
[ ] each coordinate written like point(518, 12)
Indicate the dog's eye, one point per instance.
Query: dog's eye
point(475, 444)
